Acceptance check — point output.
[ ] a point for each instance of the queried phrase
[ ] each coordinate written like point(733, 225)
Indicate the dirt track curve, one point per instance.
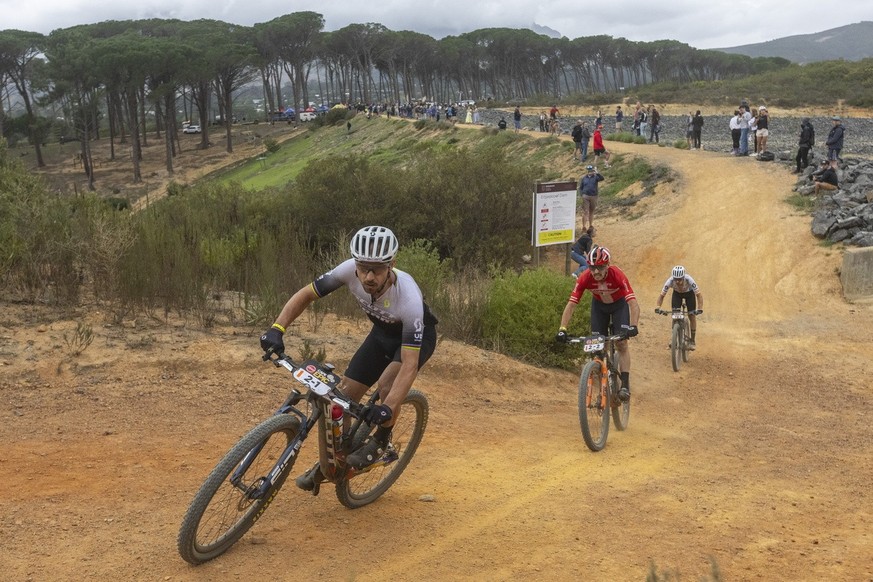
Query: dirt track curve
point(757, 455)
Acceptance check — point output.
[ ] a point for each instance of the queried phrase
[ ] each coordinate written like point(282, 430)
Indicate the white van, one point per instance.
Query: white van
point(308, 116)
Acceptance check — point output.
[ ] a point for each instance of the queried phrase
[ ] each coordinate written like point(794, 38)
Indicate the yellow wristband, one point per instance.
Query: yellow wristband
point(562, 329)
point(279, 327)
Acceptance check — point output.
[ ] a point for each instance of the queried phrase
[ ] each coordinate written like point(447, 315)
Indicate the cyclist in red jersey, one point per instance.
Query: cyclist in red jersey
point(614, 308)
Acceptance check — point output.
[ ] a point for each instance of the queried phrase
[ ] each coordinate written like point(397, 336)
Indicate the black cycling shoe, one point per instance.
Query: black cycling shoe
point(311, 479)
point(624, 394)
point(367, 454)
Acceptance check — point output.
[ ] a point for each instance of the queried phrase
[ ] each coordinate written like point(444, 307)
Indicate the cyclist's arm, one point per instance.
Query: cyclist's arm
point(296, 305)
point(634, 307)
point(661, 299)
point(568, 314)
point(699, 300)
point(404, 379)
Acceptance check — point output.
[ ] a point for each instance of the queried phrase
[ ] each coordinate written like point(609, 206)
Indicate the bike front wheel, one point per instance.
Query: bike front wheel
point(369, 484)
point(686, 337)
point(593, 406)
point(620, 410)
point(676, 347)
point(226, 505)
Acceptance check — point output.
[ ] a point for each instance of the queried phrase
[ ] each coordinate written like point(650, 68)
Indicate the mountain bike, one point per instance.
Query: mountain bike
point(599, 384)
point(243, 484)
point(680, 336)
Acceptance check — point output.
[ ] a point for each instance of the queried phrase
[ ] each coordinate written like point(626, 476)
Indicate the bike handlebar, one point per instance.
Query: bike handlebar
point(572, 339)
point(665, 312)
point(356, 409)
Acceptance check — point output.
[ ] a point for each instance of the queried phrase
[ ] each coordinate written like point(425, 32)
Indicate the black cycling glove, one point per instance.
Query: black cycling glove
point(378, 414)
point(271, 341)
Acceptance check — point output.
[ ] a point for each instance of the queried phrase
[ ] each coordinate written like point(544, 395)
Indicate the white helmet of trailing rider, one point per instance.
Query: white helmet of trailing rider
point(678, 272)
point(374, 244)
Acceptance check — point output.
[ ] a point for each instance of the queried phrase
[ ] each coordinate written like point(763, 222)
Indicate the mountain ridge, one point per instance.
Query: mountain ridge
point(852, 42)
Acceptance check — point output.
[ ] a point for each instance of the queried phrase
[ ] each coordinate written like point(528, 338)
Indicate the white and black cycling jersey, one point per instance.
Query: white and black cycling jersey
point(400, 310)
point(683, 285)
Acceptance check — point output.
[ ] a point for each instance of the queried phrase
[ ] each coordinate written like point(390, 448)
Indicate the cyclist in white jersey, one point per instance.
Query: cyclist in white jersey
point(684, 289)
point(402, 339)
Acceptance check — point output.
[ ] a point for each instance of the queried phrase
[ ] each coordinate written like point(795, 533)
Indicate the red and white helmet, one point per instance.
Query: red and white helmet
point(598, 256)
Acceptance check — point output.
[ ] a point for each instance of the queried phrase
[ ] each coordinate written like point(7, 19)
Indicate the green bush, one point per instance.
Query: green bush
point(271, 145)
point(681, 144)
point(421, 260)
point(523, 313)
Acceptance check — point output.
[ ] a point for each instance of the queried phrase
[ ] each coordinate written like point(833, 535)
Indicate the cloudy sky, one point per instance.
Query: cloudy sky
point(699, 23)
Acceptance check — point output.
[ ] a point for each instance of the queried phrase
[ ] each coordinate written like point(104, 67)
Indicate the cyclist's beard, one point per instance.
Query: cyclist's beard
point(374, 293)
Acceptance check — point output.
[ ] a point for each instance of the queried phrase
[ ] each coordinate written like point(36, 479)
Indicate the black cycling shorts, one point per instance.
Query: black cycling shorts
point(689, 297)
point(608, 318)
point(379, 349)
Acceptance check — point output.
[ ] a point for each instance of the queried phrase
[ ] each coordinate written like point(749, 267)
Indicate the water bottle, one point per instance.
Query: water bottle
point(336, 417)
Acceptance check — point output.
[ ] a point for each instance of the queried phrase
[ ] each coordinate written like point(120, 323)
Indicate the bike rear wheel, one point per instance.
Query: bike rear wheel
point(686, 337)
point(593, 411)
point(367, 486)
point(222, 512)
point(676, 347)
point(620, 410)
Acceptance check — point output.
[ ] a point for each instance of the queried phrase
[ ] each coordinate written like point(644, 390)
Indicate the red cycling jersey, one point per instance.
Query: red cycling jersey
point(614, 286)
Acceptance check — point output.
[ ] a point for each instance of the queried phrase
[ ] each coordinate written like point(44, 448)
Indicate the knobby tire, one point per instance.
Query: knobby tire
point(686, 337)
point(620, 410)
point(220, 512)
point(365, 488)
point(676, 347)
point(593, 416)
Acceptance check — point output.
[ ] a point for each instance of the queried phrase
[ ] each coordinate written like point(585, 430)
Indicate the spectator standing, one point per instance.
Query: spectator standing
point(469, 117)
point(636, 126)
point(475, 115)
point(516, 119)
point(599, 119)
point(835, 140)
point(599, 149)
point(619, 118)
point(543, 121)
point(804, 144)
point(644, 121)
point(734, 125)
point(654, 125)
point(763, 131)
point(697, 131)
point(588, 190)
point(745, 119)
point(576, 134)
point(586, 135)
point(753, 129)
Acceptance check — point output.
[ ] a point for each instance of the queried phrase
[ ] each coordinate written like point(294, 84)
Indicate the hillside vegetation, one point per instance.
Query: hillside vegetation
point(234, 246)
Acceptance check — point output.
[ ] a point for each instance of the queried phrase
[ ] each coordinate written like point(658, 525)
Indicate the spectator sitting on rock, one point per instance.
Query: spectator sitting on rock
point(826, 178)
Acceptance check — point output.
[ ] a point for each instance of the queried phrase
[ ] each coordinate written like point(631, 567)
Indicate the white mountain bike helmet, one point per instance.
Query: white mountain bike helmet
point(374, 244)
point(678, 272)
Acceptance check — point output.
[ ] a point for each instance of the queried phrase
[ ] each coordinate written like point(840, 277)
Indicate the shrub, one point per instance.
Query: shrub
point(523, 313)
point(271, 145)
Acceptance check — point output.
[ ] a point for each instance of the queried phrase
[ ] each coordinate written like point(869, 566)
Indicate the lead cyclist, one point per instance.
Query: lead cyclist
point(402, 339)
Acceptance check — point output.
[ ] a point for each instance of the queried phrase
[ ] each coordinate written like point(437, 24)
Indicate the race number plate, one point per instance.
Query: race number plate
point(311, 382)
point(678, 316)
point(594, 347)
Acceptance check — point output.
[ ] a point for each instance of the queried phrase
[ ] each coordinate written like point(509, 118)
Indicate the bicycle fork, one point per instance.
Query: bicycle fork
point(604, 378)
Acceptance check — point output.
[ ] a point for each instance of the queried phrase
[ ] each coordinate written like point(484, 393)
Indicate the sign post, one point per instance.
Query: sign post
point(554, 214)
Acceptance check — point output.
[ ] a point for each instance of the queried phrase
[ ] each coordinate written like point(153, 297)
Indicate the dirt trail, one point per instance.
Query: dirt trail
point(757, 455)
